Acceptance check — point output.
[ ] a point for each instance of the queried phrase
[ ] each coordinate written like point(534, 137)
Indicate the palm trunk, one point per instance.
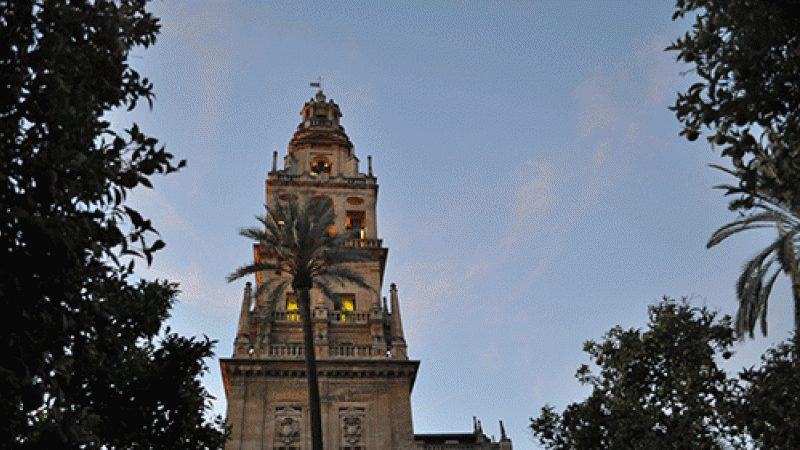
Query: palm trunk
point(795, 276)
point(314, 408)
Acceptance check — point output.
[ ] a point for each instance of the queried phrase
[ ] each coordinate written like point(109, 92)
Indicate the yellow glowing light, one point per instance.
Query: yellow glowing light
point(348, 304)
point(291, 308)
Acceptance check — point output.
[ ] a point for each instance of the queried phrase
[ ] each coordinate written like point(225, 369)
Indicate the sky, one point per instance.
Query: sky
point(534, 192)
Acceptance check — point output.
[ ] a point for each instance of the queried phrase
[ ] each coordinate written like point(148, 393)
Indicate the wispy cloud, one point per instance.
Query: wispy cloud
point(595, 110)
point(185, 254)
point(536, 197)
point(204, 76)
point(663, 74)
point(207, 36)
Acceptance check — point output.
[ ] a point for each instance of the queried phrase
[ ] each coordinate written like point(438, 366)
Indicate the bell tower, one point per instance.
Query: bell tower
point(365, 376)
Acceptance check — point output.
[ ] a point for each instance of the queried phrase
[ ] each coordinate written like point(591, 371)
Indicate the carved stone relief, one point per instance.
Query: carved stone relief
point(288, 420)
point(352, 423)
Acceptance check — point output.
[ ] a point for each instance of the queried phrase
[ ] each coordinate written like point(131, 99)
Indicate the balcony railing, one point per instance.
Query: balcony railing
point(295, 351)
point(286, 351)
point(351, 351)
point(330, 179)
point(364, 243)
point(349, 316)
point(285, 316)
point(335, 316)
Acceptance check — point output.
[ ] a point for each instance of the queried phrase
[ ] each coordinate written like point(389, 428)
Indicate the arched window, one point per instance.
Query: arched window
point(355, 224)
point(320, 164)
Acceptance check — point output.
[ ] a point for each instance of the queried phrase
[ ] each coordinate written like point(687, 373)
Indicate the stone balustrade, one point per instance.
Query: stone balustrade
point(295, 351)
point(363, 180)
point(285, 316)
point(349, 316)
point(352, 351)
point(364, 243)
point(334, 316)
point(286, 351)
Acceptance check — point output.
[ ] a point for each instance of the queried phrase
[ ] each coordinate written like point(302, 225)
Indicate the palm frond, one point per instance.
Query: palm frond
point(785, 253)
point(342, 276)
point(753, 293)
point(249, 269)
point(753, 221)
point(724, 169)
point(328, 293)
point(274, 292)
point(322, 217)
point(301, 247)
point(765, 293)
point(759, 274)
point(336, 253)
point(753, 301)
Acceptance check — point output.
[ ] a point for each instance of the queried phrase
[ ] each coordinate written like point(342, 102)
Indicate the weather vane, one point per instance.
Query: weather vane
point(317, 84)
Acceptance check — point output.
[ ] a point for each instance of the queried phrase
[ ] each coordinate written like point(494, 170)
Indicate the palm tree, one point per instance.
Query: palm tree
point(302, 251)
point(759, 273)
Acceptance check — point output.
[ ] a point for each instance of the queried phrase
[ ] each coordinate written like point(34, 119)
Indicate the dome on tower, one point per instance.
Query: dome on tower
point(320, 125)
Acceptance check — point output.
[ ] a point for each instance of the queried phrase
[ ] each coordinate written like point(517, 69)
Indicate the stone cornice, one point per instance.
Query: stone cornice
point(323, 184)
point(305, 179)
point(389, 368)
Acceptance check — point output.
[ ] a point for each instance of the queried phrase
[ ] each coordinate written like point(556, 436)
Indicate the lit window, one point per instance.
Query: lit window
point(355, 224)
point(346, 303)
point(292, 311)
point(320, 164)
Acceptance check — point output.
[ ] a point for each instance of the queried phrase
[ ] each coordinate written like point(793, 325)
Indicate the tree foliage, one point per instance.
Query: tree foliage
point(299, 250)
point(770, 401)
point(659, 388)
point(82, 362)
point(746, 54)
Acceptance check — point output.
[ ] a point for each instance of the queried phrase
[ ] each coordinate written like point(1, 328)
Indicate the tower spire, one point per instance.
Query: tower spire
point(398, 340)
point(243, 333)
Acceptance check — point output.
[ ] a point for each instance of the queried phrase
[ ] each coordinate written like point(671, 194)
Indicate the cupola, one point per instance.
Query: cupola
point(319, 114)
point(320, 144)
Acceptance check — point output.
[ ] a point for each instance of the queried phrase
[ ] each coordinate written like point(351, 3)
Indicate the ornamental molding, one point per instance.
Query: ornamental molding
point(352, 420)
point(288, 422)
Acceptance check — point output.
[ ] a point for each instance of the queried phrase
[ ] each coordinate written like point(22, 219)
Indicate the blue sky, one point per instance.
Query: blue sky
point(534, 192)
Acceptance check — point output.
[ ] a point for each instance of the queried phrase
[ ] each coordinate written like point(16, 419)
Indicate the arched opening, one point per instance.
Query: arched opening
point(320, 164)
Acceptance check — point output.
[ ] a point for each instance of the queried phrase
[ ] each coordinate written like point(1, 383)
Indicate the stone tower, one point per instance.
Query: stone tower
point(365, 375)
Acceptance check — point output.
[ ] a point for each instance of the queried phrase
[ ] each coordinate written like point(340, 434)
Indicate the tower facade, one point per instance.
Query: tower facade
point(365, 375)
